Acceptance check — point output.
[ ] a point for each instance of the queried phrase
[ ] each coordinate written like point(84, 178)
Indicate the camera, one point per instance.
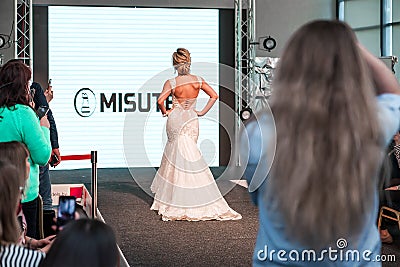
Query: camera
point(42, 111)
point(66, 210)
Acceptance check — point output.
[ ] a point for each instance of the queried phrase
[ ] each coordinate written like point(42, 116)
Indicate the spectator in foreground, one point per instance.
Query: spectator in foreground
point(335, 107)
point(82, 243)
point(17, 154)
point(390, 195)
point(11, 188)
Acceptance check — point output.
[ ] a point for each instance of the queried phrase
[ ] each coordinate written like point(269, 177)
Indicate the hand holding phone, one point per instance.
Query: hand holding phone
point(53, 160)
point(42, 111)
point(66, 210)
point(49, 92)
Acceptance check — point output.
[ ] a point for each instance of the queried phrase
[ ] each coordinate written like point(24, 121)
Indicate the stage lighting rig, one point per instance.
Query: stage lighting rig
point(268, 43)
point(265, 43)
point(2, 41)
point(245, 113)
point(5, 39)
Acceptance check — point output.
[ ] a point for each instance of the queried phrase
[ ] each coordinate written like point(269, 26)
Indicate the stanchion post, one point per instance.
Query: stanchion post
point(94, 184)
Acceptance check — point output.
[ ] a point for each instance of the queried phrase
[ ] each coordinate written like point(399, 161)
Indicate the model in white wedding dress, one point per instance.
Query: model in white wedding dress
point(184, 186)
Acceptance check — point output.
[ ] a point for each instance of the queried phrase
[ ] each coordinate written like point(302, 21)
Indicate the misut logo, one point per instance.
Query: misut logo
point(85, 102)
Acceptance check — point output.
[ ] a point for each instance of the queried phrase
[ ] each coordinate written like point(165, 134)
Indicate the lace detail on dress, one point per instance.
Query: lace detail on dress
point(184, 103)
point(186, 130)
point(183, 121)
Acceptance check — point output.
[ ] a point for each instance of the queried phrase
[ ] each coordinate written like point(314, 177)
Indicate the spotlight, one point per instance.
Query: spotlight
point(2, 41)
point(245, 113)
point(267, 43)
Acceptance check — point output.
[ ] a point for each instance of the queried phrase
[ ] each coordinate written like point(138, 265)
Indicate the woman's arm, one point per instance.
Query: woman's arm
point(41, 100)
point(257, 141)
point(36, 136)
point(163, 96)
point(384, 79)
point(213, 98)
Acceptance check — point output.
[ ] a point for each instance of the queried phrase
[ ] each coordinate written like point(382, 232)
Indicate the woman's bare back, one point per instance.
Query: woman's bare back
point(187, 87)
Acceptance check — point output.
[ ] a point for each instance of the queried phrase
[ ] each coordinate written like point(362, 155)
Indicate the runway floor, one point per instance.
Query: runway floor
point(146, 240)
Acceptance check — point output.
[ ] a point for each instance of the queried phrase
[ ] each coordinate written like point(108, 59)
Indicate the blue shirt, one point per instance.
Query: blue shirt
point(273, 247)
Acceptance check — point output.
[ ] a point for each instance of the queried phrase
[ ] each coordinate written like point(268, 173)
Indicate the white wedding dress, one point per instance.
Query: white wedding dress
point(184, 186)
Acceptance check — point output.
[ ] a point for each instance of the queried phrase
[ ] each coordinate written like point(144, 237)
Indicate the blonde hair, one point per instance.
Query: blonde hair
point(328, 152)
point(181, 61)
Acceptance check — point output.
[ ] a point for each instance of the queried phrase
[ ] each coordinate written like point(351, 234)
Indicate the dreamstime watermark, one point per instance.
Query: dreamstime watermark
point(339, 253)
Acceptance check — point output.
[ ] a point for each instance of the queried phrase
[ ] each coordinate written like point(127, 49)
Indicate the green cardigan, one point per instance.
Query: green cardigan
point(20, 123)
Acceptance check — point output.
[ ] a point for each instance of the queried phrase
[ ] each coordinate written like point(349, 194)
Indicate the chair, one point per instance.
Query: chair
point(393, 215)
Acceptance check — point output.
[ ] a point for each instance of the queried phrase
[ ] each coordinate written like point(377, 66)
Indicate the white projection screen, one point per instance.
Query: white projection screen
point(107, 63)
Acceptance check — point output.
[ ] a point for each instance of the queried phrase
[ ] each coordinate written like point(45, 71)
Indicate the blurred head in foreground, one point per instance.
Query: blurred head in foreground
point(10, 195)
point(84, 242)
point(328, 139)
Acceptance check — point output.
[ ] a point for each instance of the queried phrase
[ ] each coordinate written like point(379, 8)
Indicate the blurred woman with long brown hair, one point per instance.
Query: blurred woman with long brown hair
point(12, 183)
point(331, 129)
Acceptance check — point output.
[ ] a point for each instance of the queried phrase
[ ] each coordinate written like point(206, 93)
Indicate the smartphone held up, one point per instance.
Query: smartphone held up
point(66, 210)
point(48, 93)
point(42, 111)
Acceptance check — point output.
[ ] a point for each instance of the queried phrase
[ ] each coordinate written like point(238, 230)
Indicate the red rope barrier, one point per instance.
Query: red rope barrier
point(76, 157)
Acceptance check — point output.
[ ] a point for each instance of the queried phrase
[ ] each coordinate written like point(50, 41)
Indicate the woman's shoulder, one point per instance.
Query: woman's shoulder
point(23, 107)
point(388, 98)
point(21, 253)
point(389, 101)
point(191, 76)
point(189, 79)
point(389, 114)
point(197, 77)
point(18, 108)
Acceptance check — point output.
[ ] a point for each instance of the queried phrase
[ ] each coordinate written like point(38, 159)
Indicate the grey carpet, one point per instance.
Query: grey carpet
point(148, 241)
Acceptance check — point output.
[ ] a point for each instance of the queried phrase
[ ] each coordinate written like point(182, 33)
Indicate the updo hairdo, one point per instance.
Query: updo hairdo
point(181, 61)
